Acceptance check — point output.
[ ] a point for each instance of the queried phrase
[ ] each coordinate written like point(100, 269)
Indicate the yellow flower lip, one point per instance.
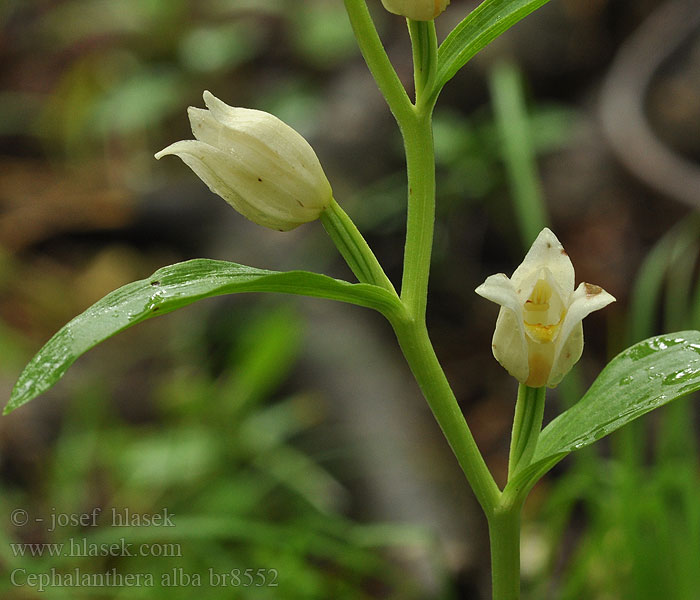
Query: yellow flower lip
point(543, 333)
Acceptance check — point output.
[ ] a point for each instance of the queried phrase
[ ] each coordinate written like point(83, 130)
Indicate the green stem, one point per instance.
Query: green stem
point(411, 332)
point(424, 44)
point(504, 533)
point(420, 221)
point(377, 60)
point(417, 132)
point(410, 328)
point(418, 350)
point(353, 247)
point(504, 521)
point(527, 424)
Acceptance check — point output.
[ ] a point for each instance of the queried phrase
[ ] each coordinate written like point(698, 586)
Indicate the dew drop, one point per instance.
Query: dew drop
point(681, 376)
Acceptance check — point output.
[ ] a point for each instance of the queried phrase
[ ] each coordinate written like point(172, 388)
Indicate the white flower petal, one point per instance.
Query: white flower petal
point(586, 299)
point(499, 289)
point(568, 353)
point(267, 147)
point(264, 131)
point(206, 128)
point(509, 345)
point(209, 163)
point(547, 251)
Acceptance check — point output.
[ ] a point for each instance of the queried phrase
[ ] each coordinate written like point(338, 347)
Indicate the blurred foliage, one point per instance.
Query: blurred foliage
point(221, 457)
point(469, 162)
point(107, 71)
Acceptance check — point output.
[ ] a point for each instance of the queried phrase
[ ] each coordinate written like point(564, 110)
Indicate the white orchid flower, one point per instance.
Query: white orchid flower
point(261, 166)
point(418, 10)
point(539, 335)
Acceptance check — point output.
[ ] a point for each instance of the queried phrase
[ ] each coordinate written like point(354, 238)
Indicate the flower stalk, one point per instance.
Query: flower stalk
point(529, 409)
point(377, 60)
point(353, 247)
point(424, 44)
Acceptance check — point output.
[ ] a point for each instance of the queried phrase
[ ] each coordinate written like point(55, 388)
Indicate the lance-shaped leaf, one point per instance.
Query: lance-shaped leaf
point(638, 380)
point(485, 23)
point(171, 288)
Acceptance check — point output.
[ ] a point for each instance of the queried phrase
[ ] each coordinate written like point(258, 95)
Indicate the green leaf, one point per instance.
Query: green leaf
point(485, 23)
point(640, 379)
point(167, 290)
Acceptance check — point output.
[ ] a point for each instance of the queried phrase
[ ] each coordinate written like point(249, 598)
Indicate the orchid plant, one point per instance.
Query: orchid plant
point(269, 173)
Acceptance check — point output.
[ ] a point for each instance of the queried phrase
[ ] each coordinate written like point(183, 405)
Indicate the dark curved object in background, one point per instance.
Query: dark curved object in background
point(623, 96)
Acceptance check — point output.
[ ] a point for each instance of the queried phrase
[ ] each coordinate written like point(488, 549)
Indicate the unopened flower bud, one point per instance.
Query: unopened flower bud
point(262, 167)
point(418, 10)
point(539, 336)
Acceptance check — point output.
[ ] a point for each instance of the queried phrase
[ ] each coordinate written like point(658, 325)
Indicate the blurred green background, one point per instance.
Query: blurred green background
point(286, 435)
